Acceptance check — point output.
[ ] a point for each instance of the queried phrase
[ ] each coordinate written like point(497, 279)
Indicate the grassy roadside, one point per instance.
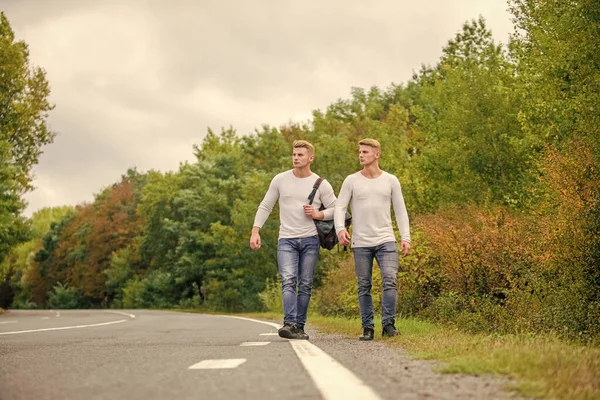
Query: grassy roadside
point(543, 366)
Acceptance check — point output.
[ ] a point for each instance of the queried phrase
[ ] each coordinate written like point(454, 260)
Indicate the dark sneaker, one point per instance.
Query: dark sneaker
point(300, 331)
point(389, 331)
point(368, 334)
point(288, 331)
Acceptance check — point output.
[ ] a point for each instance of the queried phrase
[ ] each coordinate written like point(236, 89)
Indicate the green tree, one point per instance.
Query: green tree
point(21, 258)
point(556, 44)
point(158, 214)
point(472, 148)
point(13, 227)
point(24, 131)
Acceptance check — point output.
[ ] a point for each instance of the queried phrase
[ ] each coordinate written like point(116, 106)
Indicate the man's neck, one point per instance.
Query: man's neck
point(303, 172)
point(371, 171)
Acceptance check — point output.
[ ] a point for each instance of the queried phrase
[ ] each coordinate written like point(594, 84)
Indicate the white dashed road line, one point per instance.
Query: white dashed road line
point(255, 343)
point(8, 322)
point(218, 364)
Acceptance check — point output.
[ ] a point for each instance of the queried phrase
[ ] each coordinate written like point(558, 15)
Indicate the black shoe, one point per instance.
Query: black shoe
point(368, 334)
point(389, 331)
point(300, 332)
point(288, 331)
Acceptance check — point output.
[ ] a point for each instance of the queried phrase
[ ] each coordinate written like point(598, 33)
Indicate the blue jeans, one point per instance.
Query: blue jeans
point(297, 260)
point(386, 255)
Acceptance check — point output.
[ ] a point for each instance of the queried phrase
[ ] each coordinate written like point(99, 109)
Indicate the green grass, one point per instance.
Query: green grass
point(543, 365)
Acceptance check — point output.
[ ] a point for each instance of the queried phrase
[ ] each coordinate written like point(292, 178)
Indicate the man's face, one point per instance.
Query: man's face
point(367, 155)
point(301, 157)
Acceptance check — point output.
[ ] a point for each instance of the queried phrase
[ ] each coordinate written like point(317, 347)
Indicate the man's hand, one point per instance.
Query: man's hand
point(255, 239)
point(404, 248)
point(310, 211)
point(344, 238)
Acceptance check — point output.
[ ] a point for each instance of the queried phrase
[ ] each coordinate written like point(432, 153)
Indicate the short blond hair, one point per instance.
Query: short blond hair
point(304, 145)
point(372, 143)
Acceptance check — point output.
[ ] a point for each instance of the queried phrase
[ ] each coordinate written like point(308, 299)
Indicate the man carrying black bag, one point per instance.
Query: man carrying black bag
point(298, 245)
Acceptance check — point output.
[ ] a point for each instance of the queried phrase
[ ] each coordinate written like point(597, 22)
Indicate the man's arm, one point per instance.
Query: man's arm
point(401, 215)
point(339, 214)
point(263, 212)
point(328, 200)
point(255, 238)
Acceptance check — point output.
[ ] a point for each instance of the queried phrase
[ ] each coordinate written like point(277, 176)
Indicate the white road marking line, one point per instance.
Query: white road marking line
point(218, 364)
point(64, 327)
point(255, 343)
point(274, 325)
point(8, 322)
point(269, 334)
point(58, 313)
point(333, 380)
point(45, 317)
point(122, 313)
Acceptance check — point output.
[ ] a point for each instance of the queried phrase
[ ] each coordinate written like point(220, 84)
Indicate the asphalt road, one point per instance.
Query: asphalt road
point(149, 355)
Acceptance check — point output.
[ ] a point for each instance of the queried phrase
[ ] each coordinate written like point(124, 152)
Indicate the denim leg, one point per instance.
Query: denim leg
point(363, 264)
point(287, 261)
point(309, 254)
point(387, 258)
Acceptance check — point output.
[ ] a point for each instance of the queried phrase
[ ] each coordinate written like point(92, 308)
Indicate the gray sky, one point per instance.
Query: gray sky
point(137, 83)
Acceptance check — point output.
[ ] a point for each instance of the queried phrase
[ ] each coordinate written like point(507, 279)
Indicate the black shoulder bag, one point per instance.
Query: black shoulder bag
point(326, 229)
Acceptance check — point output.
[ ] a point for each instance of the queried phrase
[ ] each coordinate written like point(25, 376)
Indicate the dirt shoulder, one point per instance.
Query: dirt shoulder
point(394, 374)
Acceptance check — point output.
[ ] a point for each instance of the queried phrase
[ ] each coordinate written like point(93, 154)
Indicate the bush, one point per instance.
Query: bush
point(157, 290)
point(271, 296)
point(190, 303)
point(478, 252)
point(65, 297)
point(23, 304)
point(570, 245)
point(419, 277)
point(506, 272)
point(132, 294)
point(224, 296)
point(338, 294)
point(418, 283)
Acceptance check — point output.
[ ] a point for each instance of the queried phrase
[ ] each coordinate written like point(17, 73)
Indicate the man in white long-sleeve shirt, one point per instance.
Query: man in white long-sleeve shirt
point(298, 245)
point(370, 193)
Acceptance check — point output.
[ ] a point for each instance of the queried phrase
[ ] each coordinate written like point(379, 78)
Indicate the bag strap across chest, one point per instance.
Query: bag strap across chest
point(311, 196)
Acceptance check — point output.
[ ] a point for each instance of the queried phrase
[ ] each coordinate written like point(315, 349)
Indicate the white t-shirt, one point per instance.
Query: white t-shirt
point(370, 201)
point(292, 193)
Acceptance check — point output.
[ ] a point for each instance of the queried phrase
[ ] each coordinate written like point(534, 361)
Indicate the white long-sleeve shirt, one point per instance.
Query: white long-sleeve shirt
point(370, 201)
point(292, 193)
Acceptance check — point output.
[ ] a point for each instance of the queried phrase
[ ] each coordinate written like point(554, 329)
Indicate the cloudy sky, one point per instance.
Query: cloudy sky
point(137, 83)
